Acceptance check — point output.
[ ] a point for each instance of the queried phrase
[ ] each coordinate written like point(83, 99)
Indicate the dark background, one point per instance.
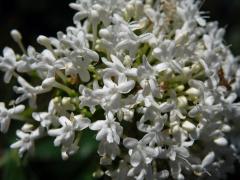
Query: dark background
point(46, 17)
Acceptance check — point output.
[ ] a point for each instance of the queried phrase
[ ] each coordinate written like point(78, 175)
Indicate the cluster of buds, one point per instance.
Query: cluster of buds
point(152, 78)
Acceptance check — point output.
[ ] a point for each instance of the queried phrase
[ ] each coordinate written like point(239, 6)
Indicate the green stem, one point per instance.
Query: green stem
point(20, 44)
point(62, 76)
point(68, 90)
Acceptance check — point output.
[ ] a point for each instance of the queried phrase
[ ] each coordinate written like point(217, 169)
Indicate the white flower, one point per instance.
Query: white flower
point(66, 134)
point(167, 53)
point(120, 173)
point(108, 151)
point(109, 97)
point(77, 60)
point(152, 120)
point(26, 141)
point(80, 62)
point(45, 118)
point(141, 156)
point(158, 72)
point(25, 64)
point(123, 40)
point(61, 106)
point(139, 152)
point(7, 114)
point(108, 129)
point(46, 63)
point(147, 76)
point(28, 92)
point(8, 63)
point(207, 160)
point(88, 97)
point(49, 118)
point(188, 11)
point(116, 64)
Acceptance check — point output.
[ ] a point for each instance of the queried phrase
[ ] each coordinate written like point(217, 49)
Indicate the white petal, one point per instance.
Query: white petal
point(64, 121)
point(4, 124)
point(161, 67)
point(16, 110)
point(101, 134)
point(115, 101)
point(151, 152)
point(37, 133)
point(147, 138)
point(207, 41)
point(84, 75)
point(82, 123)
point(7, 77)
point(107, 62)
point(48, 82)
point(97, 125)
point(116, 61)
point(58, 140)
point(209, 158)
point(164, 174)
point(130, 143)
point(145, 37)
point(135, 158)
point(39, 116)
point(17, 144)
point(221, 141)
point(9, 53)
point(91, 54)
point(110, 116)
point(109, 136)
point(126, 87)
point(166, 107)
point(21, 134)
point(131, 72)
point(183, 152)
point(201, 21)
point(55, 132)
point(188, 126)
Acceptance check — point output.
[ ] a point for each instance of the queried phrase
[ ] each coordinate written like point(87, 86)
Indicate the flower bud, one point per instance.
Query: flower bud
point(186, 71)
point(94, 15)
point(47, 83)
point(193, 92)
point(188, 126)
point(66, 100)
point(156, 52)
point(180, 88)
point(130, 10)
point(226, 128)
point(104, 33)
point(27, 127)
point(182, 101)
point(221, 141)
point(44, 41)
point(16, 35)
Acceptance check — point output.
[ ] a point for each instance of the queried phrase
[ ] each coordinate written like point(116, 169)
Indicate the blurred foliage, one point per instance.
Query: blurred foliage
point(47, 17)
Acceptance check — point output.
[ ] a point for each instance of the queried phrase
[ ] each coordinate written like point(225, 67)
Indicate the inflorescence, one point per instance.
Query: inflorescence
point(164, 83)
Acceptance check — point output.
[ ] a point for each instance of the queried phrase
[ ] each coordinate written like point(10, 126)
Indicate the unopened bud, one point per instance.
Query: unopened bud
point(221, 141)
point(48, 82)
point(43, 40)
point(188, 126)
point(27, 127)
point(182, 101)
point(193, 92)
point(16, 35)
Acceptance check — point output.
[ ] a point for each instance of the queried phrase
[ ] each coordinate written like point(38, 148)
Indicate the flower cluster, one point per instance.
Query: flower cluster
point(162, 76)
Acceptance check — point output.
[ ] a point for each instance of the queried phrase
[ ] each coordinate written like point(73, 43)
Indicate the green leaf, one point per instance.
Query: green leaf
point(12, 168)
